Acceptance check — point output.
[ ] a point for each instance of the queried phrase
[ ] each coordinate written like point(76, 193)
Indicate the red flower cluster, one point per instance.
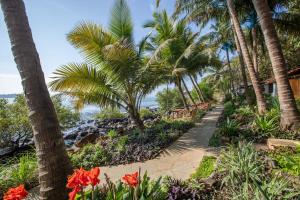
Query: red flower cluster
point(17, 193)
point(82, 178)
point(131, 179)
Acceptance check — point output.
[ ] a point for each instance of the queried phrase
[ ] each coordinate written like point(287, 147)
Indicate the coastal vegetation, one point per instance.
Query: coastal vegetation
point(45, 143)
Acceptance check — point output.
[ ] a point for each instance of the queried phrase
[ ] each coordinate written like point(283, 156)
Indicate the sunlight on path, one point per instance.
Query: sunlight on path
point(181, 158)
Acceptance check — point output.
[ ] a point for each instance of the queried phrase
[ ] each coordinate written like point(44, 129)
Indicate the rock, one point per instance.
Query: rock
point(272, 142)
point(90, 138)
point(71, 136)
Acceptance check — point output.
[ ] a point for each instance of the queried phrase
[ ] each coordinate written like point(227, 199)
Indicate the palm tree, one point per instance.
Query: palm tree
point(175, 48)
point(290, 117)
point(113, 74)
point(203, 12)
point(261, 102)
point(54, 165)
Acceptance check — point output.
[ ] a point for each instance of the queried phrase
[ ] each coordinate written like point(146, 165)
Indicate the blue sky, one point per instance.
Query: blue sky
point(51, 20)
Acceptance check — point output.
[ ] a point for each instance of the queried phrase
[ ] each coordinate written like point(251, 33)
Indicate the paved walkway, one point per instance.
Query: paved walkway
point(181, 158)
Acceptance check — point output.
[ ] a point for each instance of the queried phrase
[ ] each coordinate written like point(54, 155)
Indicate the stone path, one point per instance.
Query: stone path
point(178, 160)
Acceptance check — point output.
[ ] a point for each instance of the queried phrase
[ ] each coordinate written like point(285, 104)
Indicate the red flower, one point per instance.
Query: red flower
point(72, 194)
point(131, 179)
point(78, 179)
point(17, 193)
point(93, 175)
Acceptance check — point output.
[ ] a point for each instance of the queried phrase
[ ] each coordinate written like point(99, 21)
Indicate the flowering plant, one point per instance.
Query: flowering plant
point(17, 193)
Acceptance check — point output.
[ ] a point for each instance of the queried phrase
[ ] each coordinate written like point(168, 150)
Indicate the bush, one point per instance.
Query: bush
point(112, 134)
point(229, 109)
point(206, 167)
point(169, 99)
point(288, 160)
point(229, 128)
point(90, 156)
point(145, 113)
point(17, 171)
point(67, 116)
point(246, 111)
point(265, 126)
point(246, 178)
point(206, 89)
point(110, 113)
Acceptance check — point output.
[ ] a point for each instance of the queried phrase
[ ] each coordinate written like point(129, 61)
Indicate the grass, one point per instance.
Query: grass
point(206, 167)
point(22, 170)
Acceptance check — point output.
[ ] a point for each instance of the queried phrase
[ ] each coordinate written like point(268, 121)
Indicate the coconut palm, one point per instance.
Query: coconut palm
point(290, 117)
point(177, 50)
point(53, 162)
point(205, 11)
point(113, 74)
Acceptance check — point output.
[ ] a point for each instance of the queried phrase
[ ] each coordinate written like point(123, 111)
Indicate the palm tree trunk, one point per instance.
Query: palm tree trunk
point(53, 161)
point(178, 83)
point(243, 70)
point(290, 117)
point(254, 50)
point(230, 73)
point(261, 102)
point(188, 92)
point(197, 89)
point(135, 117)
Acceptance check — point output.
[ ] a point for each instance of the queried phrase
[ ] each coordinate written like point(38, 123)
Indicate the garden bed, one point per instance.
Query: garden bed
point(133, 147)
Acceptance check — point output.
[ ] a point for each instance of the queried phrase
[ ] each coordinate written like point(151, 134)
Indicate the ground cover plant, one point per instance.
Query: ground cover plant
point(19, 170)
point(205, 168)
point(133, 147)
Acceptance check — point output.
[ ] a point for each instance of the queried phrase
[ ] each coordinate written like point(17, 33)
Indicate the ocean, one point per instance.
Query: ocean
point(90, 110)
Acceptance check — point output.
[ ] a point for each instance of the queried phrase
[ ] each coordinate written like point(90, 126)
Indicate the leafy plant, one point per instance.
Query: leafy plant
point(206, 167)
point(169, 99)
point(110, 113)
point(90, 156)
point(288, 160)
point(120, 146)
point(265, 126)
point(112, 134)
point(145, 112)
point(229, 128)
point(229, 109)
point(17, 171)
point(246, 111)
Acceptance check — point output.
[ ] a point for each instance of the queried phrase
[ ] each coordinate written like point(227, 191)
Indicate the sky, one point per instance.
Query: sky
point(51, 20)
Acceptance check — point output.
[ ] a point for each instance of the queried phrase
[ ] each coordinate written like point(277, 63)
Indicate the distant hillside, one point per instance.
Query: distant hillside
point(8, 96)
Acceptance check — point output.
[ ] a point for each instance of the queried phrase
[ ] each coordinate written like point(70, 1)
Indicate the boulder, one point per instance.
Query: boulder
point(89, 138)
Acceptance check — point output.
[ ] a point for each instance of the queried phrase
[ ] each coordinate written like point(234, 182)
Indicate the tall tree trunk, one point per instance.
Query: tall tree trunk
point(178, 83)
point(200, 97)
point(231, 82)
point(261, 102)
point(53, 161)
point(135, 117)
point(290, 117)
point(243, 70)
point(254, 49)
point(188, 92)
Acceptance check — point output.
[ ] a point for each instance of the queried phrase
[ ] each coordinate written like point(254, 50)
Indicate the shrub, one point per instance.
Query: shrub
point(17, 171)
point(229, 109)
point(169, 99)
point(178, 189)
point(112, 134)
point(246, 178)
point(288, 160)
point(229, 128)
point(122, 141)
point(265, 126)
point(206, 89)
point(246, 111)
point(110, 113)
point(206, 167)
point(90, 156)
point(145, 112)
